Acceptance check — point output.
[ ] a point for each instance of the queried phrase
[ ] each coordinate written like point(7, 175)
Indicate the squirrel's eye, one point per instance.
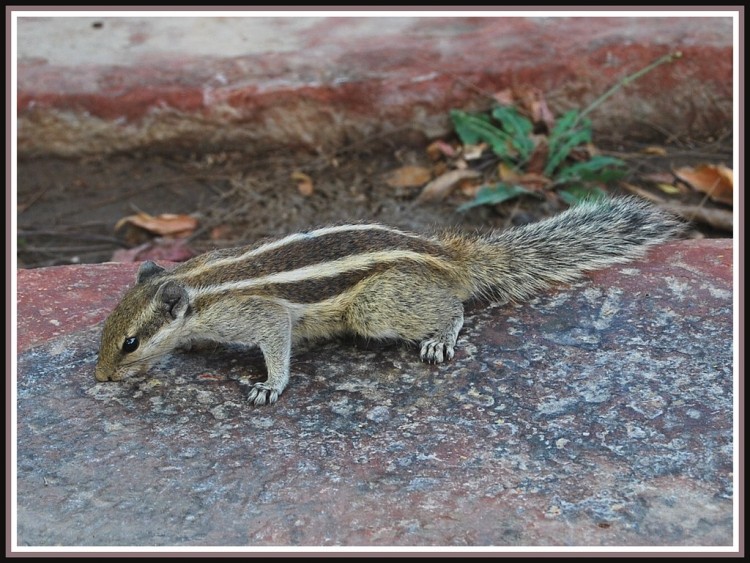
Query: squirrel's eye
point(130, 344)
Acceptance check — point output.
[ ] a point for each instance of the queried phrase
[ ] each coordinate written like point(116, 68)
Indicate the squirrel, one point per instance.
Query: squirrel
point(367, 279)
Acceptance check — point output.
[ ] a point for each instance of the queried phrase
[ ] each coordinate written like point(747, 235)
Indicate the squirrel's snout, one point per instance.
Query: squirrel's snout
point(101, 374)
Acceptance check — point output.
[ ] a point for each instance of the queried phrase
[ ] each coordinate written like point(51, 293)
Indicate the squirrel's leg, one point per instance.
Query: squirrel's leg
point(411, 306)
point(267, 324)
point(440, 346)
point(274, 338)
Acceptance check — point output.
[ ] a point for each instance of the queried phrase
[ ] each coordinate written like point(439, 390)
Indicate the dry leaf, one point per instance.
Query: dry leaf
point(533, 100)
point(166, 224)
point(408, 177)
point(438, 149)
point(473, 152)
point(304, 183)
point(658, 151)
point(716, 218)
point(538, 158)
point(716, 180)
point(670, 189)
point(441, 187)
point(534, 181)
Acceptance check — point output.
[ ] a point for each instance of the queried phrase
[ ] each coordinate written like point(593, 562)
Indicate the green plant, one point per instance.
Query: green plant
point(510, 137)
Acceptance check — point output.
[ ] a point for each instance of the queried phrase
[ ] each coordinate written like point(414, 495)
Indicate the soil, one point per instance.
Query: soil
point(67, 208)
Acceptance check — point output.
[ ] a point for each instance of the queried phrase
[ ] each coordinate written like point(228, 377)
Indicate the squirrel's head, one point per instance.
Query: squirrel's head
point(144, 326)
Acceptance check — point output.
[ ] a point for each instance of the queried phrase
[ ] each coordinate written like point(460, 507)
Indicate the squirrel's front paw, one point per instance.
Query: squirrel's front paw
point(435, 351)
point(262, 394)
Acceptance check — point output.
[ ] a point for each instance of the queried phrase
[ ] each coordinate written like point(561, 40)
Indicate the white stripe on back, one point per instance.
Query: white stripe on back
point(318, 271)
point(268, 247)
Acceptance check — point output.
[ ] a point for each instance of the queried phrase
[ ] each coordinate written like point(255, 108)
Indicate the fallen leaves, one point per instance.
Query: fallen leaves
point(156, 237)
point(442, 186)
point(439, 149)
point(714, 180)
point(531, 100)
point(166, 224)
point(518, 148)
point(655, 150)
point(531, 180)
point(305, 184)
point(437, 189)
point(531, 151)
point(408, 177)
point(714, 217)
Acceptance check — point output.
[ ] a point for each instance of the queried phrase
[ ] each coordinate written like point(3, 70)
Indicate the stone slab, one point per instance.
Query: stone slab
point(598, 414)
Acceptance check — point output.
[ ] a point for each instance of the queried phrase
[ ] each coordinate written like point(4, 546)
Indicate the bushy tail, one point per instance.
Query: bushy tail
point(518, 262)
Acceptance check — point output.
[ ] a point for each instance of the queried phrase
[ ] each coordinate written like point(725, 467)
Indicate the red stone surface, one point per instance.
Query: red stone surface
point(134, 83)
point(596, 414)
point(62, 300)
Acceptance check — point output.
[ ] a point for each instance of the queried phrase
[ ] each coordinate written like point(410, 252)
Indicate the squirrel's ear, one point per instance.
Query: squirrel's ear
point(147, 270)
point(175, 299)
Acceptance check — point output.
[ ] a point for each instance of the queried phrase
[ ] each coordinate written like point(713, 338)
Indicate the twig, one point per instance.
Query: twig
point(627, 80)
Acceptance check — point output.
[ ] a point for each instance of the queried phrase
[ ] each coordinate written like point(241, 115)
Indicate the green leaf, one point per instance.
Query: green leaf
point(563, 125)
point(577, 194)
point(494, 194)
point(567, 134)
point(598, 169)
point(472, 129)
point(562, 148)
point(468, 126)
point(513, 122)
point(518, 127)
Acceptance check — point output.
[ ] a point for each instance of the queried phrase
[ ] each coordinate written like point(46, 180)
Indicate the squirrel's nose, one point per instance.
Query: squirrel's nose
point(101, 374)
